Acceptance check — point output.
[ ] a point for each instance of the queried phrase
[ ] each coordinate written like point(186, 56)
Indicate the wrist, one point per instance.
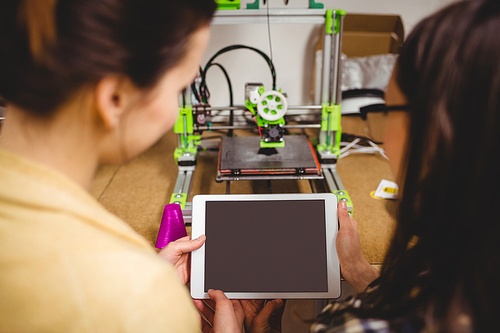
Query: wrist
point(359, 274)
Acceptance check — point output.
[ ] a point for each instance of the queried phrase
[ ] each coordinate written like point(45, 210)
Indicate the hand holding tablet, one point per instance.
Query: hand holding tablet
point(266, 246)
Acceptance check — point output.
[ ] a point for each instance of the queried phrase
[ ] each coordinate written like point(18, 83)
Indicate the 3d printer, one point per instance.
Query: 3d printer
point(273, 154)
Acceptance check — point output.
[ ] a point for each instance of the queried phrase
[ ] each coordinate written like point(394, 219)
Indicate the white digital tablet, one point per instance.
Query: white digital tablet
point(266, 246)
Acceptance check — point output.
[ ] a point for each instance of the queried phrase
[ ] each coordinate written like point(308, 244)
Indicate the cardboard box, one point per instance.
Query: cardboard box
point(366, 35)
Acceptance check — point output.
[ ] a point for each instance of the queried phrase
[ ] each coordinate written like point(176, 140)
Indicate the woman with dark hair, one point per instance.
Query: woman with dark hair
point(89, 82)
point(441, 270)
point(439, 274)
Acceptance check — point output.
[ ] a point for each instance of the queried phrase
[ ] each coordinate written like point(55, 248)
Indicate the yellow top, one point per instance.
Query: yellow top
point(68, 265)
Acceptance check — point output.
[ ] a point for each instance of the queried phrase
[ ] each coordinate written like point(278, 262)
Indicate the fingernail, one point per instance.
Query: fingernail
point(343, 204)
point(280, 302)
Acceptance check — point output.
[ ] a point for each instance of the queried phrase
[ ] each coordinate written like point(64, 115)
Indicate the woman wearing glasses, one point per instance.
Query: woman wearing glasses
point(442, 137)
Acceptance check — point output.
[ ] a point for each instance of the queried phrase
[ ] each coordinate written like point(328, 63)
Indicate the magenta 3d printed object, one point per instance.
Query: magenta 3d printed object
point(172, 226)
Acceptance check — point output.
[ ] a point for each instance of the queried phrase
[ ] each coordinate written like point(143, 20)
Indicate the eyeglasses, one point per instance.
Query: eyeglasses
point(375, 119)
point(365, 110)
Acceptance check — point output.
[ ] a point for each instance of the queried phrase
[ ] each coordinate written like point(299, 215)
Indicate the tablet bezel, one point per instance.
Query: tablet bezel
point(331, 227)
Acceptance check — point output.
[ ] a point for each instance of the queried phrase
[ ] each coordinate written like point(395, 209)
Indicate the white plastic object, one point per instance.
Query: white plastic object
point(387, 190)
point(352, 105)
point(272, 105)
point(254, 97)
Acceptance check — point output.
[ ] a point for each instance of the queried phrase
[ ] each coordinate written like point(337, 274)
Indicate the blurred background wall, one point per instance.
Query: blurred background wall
point(293, 47)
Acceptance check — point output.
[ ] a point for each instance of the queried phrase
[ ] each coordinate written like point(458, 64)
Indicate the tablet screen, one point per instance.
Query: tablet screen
point(266, 246)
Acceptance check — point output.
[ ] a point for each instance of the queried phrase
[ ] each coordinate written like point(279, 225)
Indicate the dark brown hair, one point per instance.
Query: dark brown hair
point(449, 70)
point(51, 48)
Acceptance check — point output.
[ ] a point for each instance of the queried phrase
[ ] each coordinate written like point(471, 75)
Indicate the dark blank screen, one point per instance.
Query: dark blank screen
point(266, 246)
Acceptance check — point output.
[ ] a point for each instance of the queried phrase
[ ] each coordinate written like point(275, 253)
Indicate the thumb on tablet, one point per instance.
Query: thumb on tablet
point(186, 245)
point(345, 220)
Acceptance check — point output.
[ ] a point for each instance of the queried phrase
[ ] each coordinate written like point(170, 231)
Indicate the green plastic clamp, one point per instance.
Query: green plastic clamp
point(262, 123)
point(250, 107)
point(332, 110)
point(179, 198)
point(334, 149)
point(254, 5)
point(315, 5)
point(179, 124)
point(264, 144)
point(343, 195)
point(228, 4)
point(330, 26)
point(189, 144)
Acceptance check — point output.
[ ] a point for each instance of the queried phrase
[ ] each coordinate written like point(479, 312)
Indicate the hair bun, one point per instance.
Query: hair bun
point(39, 18)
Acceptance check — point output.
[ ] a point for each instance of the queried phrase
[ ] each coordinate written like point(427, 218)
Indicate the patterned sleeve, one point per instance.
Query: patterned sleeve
point(334, 320)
